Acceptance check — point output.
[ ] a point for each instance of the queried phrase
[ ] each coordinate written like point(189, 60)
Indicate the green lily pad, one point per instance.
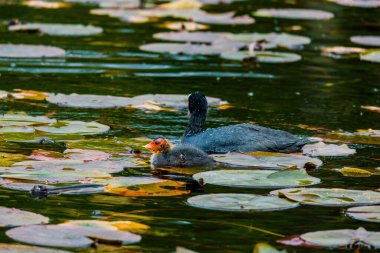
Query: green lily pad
point(323, 149)
point(71, 235)
point(342, 238)
point(12, 217)
point(13, 129)
point(29, 51)
point(85, 155)
point(88, 101)
point(365, 213)
point(371, 56)
point(263, 247)
point(262, 56)
point(74, 127)
point(185, 36)
point(304, 14)
point(338, 52)
point(236, 202)
point(55, 176)
point(271, 40)
point(358, 3)
point(16, 248)
point(181, 48)
point(57, 29)
point(7, 159)
point(329, 197)
point(22, 119)
point(369, 40)
point(266, 159)
point(291, 177)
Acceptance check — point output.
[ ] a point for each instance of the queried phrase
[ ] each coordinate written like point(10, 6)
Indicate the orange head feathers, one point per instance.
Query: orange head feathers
point(159, 145)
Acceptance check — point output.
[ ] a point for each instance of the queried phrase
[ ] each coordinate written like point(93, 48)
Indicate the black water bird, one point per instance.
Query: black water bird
point(234, 138)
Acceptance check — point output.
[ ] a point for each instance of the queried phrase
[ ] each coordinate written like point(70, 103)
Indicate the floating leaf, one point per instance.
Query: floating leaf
point(371, 56)
point(329, 197)
point(261, 56)
point(369, 40)
point(323, 149)
point(340, 51)
point(371, 108)
point(57, 29)
point(143, 186)
point(358, 3)
point(365, 213)
point(7, 159)
point(266, 248)
point(181, 48)
point(181, 5)
point(368, 136)
point(16, 248)
point(74, 127)
point(187, 26)
point(355, 172)
point(55, 176)
point(22, 119)
point(266, 159)
point(79, 234)
point(236, 202)
point(185, 36)
point(307, 14)
point(29, 51)
point(270, 40)
point(45, 4)
point(258, 178)
point(342, 238)
point(70, 154)
point(28, 94)
point(11, 217)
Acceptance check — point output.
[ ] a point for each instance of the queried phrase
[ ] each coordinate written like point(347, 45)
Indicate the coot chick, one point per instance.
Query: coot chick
point(235, 138)
point(183, 155)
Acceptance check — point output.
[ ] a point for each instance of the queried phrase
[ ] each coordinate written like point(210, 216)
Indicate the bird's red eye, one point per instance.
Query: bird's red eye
point(156, 142)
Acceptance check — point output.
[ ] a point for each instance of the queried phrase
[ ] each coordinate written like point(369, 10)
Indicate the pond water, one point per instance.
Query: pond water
point(318, 91)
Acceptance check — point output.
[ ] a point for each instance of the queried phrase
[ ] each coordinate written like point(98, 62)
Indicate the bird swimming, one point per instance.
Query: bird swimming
point(244, 137)
point(166, 154)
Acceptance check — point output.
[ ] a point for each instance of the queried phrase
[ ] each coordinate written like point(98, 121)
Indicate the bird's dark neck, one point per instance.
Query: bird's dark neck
point(196, 123)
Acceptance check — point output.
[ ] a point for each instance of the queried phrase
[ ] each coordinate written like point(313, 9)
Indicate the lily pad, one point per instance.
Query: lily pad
point(71, 235)
point(355, 172)
point(370, 40)
point(358, 3)
point(7, 159)
point(185, 36)
point(338, 52)
point(29, 51)
point(365, 213)
point(74, 127)
point(342, 238)
point(142, 186)
point(54, 176)
point(184, 26)
point(266, 159)
point(16, 248)
point(291, 177)
point(181, 48)
point(22, 119)
point(261, 56)
point(371, 56)
point(88, 101)
point(236, 202)
point(85, 155)
point(266, 248)
point(270, 40)
point(45, 4)
point(323, 149)
point(57, 29)
point(305, 14)
point(371, 107)
point(12, 217)
point(181, 5)
point(329, 197)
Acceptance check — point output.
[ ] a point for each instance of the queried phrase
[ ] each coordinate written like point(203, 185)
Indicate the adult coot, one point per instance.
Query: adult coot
point(182, 155)
point(235, 138)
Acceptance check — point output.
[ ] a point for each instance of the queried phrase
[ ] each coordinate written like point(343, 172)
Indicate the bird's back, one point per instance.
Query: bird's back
point(245, 138)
